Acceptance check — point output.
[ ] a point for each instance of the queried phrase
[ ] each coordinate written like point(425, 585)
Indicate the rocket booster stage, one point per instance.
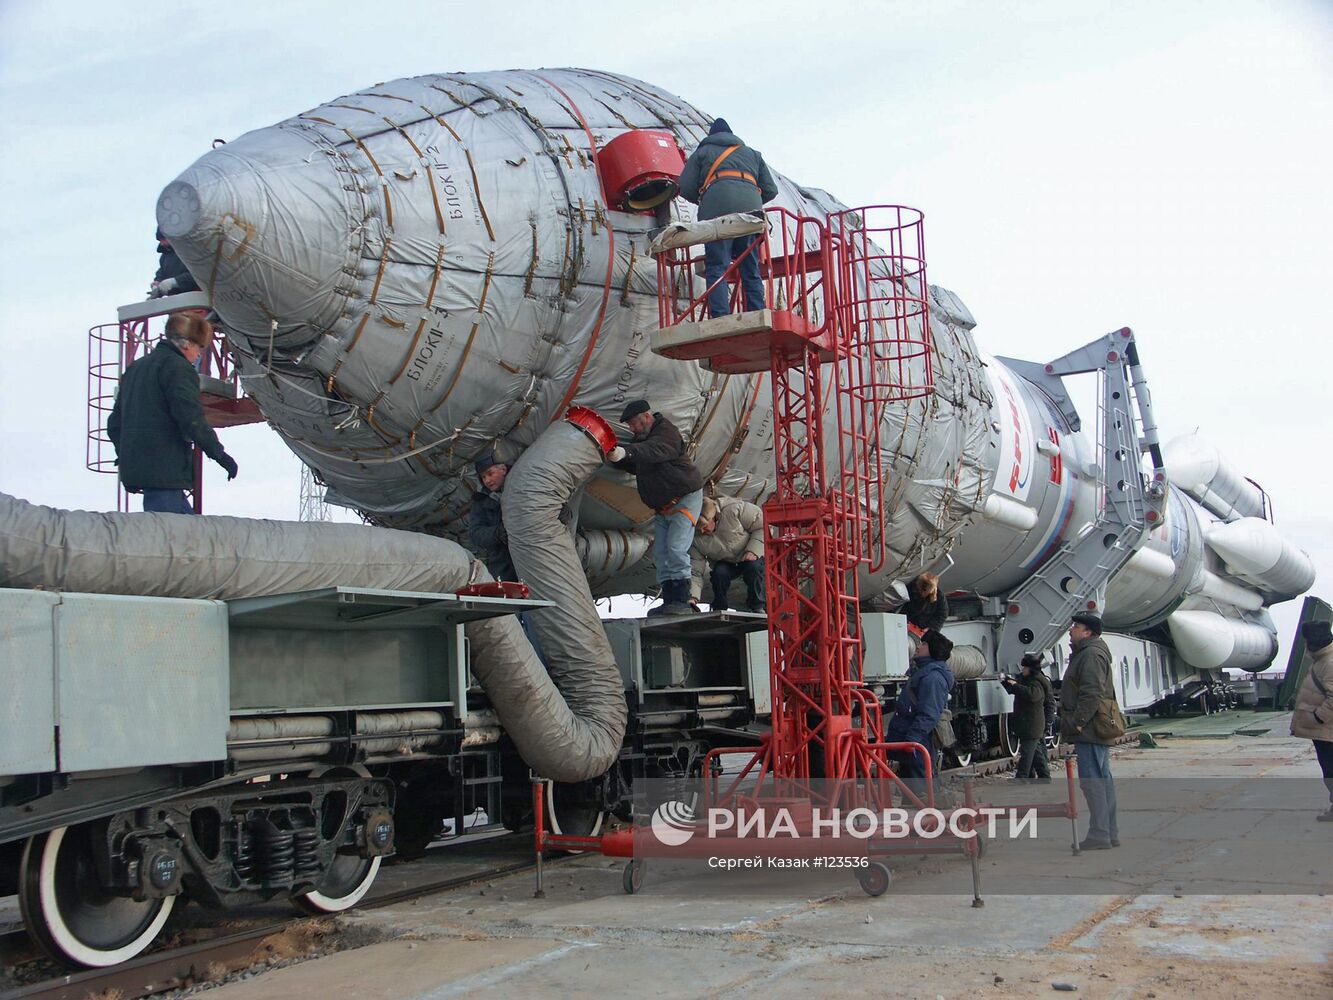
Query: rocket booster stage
point(431, 268)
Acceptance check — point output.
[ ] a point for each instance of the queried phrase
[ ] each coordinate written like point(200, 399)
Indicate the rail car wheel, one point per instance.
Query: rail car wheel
point(68, 913)
point(1008, 741)
point(348, 879)
point(875, 878)
point(571, 813)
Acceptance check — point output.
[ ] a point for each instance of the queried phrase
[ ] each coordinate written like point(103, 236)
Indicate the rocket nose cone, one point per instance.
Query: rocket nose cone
point(265, 223)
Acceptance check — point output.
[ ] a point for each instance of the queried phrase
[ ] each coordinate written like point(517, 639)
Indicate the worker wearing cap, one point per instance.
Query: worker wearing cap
point(670, 484)
point(730, 537)
point(921, 704)
point(724, 176)
point(1086, 685)
point(485, 526)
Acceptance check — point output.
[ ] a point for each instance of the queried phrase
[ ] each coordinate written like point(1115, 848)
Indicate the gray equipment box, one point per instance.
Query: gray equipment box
point(886, 650)
point(353, 647)
point(125, 681)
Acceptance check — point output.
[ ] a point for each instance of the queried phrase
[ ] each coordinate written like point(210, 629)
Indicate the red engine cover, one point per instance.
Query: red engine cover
point(640, 169)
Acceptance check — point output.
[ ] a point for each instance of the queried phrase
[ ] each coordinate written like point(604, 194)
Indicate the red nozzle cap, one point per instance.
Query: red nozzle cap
point(594, 425)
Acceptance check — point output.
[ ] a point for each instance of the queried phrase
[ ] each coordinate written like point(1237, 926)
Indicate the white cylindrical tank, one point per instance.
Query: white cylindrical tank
point(1206, 640)
point(1197, 467)
point(1257, 550)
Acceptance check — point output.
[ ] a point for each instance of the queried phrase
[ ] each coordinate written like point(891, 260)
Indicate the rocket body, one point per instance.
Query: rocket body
point(430, 269)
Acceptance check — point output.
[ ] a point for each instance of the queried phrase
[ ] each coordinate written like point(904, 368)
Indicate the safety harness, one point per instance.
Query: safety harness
point(716, 175)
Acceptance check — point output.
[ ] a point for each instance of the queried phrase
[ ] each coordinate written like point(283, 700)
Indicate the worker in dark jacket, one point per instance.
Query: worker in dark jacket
point(485, 526)
point(670, 484)
point(157, 416)
point(921, 704)
point(1086, 685)
point(172, 277)
point(926, 608)
point(1030, 689)
point(724, 176)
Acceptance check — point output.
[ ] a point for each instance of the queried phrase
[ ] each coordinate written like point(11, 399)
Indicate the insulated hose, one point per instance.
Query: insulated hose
point(565, 737)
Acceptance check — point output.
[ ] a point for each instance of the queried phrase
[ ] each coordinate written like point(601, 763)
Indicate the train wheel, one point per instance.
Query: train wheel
point(348, 879)
point(957, 758)
point(68, 913)
point(569, 813)
point(1008, 741)
point(875, 878)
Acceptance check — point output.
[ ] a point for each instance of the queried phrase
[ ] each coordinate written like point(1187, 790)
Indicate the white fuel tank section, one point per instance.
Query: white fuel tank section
point(1169, 565)
point(1198, 468)
point(1258, 551)
point(1206, 640)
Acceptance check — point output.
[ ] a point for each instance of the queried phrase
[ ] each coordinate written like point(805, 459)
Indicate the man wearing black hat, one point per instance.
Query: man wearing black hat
point(724, 176)
point(670, 484)
point(921, 704)
point(1086, 686)
point(172, 277)
point(485, 525)
point(1313, 716)
point(1030, 689)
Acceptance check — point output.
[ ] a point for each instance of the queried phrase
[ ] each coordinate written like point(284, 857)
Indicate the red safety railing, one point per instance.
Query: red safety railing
point(884, 359)
point(789, 260)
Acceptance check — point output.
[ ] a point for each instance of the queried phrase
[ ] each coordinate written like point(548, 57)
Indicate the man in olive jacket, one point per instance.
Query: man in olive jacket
point(1030, 690)
point(724, 176)
point(670, 484)
point(1087, 683)
point(730, 536)
point(157, 417)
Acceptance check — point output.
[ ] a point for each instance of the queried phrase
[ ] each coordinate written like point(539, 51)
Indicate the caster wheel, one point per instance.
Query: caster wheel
point(875, 878)
point(632, 879)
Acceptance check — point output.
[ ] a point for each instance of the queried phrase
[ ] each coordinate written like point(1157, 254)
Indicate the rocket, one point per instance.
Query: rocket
point(436, 267)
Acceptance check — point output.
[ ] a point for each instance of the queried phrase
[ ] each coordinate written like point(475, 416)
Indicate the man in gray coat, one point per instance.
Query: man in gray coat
point(1087, 683)
point(724, 176)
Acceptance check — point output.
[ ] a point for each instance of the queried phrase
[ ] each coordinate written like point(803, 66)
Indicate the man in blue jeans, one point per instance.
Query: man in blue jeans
point(1087, 684)
point(158, 418)
point(670, 484)
point(723, 176)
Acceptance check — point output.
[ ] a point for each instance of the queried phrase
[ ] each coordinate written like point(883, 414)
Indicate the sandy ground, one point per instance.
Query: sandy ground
point(1173, 913)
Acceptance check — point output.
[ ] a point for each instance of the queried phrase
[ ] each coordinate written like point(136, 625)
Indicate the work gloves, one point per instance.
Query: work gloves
point(616, 454)
point(228, 463)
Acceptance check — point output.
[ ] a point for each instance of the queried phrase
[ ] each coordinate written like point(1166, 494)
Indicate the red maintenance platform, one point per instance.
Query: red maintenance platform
point(843, 333)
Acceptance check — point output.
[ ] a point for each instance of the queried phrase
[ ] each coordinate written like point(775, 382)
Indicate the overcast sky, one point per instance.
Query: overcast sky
point(1082, 166)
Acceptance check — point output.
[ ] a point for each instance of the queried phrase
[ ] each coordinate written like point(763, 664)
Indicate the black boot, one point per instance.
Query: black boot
point(661, 609)
point(676, 598)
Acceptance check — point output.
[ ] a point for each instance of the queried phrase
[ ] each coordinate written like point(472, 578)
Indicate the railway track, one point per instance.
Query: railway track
point(178, 967)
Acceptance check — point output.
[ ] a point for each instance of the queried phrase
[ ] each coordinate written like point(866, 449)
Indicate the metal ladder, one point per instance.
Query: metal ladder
point(1130, 505)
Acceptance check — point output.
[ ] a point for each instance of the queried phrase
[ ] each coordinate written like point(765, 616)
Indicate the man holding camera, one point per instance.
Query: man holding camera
point(1031, 690)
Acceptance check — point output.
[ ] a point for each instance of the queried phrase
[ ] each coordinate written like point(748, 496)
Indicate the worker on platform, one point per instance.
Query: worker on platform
point(926, 607)
point(1087, 701)
point(1313, 717)
point(724, 176)
point(1031, 690)
point(670, 484)
point(158, 416)
point(485, 526)
point(730, 537)
point(920, 705)
point(172, 278)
